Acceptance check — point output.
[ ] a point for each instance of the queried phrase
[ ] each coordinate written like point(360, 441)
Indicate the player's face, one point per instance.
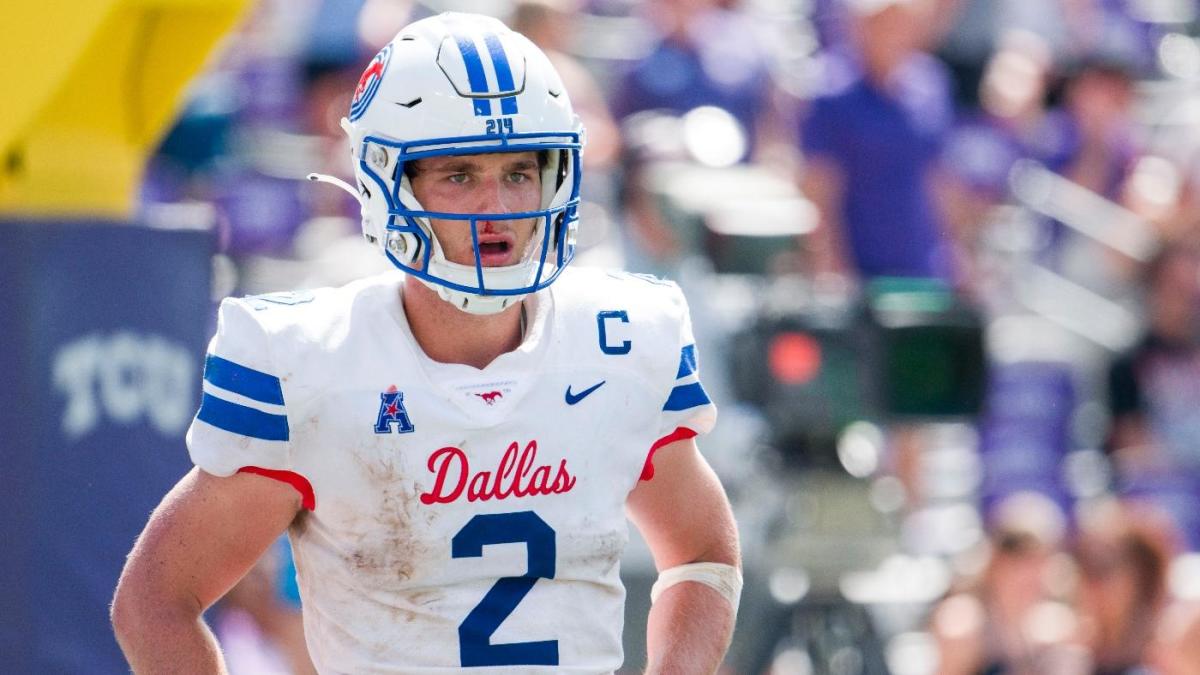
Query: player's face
point(508, 182)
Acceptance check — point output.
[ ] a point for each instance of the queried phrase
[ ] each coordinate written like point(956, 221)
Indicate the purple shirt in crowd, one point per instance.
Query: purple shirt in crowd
point(720, 64)
point(885, 143)
point(982, 149)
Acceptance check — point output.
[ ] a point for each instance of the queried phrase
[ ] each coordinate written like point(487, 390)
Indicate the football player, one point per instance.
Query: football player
point(453, 450)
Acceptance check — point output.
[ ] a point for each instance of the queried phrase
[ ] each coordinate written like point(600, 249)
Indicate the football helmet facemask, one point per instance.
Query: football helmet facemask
point(463, 84)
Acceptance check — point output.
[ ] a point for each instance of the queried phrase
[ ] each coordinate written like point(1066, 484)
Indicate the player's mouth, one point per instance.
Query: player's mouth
point(496, 250)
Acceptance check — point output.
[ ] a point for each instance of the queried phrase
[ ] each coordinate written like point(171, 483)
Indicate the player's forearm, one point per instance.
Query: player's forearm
point(166, 641)
point(688, 631)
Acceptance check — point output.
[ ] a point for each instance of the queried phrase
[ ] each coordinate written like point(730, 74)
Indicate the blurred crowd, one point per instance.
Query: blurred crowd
point(1040, 161)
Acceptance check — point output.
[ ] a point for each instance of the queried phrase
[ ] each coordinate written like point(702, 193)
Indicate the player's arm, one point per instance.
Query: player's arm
point(203, 537)
point(684, 516)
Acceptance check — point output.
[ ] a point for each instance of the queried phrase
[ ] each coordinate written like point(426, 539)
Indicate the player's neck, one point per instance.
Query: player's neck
point(449, 335)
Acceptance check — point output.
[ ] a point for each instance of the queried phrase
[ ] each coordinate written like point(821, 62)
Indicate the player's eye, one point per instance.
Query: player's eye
point(519, 177)
point(457, 178)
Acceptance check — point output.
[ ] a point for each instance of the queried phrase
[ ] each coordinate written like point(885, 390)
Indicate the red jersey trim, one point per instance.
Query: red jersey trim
point(307, 499)
point(680, 434)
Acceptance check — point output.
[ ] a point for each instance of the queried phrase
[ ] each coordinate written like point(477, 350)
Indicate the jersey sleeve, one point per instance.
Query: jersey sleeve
point(242, 422)
point(687, 411)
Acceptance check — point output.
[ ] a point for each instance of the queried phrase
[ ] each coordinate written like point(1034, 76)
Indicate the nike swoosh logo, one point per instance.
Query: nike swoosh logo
point(572, 399)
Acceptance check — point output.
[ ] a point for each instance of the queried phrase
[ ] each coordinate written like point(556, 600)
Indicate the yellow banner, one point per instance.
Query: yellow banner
point(89, 87)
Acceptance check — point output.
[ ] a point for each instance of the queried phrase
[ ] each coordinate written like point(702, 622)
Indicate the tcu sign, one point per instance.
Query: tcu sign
point(125, 377)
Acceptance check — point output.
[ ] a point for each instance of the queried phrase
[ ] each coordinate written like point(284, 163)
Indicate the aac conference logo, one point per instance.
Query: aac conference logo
point(125, 377)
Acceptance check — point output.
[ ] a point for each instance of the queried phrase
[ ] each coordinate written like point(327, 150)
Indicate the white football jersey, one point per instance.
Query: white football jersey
point(458, 517)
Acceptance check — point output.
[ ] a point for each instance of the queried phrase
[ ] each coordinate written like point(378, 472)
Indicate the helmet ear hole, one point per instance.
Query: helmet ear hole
point(563, 165)
point(556, 170)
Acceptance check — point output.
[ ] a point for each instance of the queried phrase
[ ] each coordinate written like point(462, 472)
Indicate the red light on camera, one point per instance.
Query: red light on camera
point(794, 358)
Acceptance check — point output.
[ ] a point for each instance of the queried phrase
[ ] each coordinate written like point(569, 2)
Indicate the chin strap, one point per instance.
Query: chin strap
point(336, 182)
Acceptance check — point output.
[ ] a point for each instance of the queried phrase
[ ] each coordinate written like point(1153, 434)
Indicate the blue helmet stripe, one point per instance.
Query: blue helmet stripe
point(686, 396)
point(504, 76)
point(241, 380)
point(474, 73)
point(239, 419)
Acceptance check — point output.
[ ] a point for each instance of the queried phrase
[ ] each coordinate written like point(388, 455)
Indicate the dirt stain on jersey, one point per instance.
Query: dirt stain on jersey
point(594, 549)
point(415, 603)
point(390, 548)
point(426, 596)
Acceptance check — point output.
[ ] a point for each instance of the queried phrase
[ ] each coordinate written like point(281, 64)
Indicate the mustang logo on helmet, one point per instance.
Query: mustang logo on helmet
point(368, 84)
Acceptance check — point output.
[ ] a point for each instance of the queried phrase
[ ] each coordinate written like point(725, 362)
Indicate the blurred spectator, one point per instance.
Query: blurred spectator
point(333, 61)
point(1123, 555)
point(1009, 125)
point(259, 619)
point(380, 20)
point(706, 54)
point(833, 21)
point(1154, 393)
point(1009, 619)
point(870, 142)
point(1160, 191)
point(1115, 27)
point(1097, 120)
point(978, 34)
point(333, 38)
point(1093, 141)
point(1154, 420)
point(550, 25)
point(830, 23)
point(1177, 645)
point(1025, 432)
point(1070, 28)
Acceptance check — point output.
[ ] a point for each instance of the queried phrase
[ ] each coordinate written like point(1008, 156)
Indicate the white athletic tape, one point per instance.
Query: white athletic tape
point(724, 579)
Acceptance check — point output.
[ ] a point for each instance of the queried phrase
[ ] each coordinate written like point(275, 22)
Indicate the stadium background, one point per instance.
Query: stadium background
point(937, 462)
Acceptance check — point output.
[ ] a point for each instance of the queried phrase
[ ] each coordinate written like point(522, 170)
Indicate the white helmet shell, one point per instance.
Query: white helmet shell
point(461, 84)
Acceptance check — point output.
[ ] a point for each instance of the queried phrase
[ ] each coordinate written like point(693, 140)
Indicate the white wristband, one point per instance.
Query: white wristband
point(724, 579)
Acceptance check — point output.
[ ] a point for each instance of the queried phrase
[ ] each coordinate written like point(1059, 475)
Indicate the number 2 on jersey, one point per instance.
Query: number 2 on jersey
point(475, 632)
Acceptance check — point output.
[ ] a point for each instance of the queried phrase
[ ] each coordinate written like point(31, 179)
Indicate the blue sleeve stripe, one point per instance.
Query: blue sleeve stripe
point(241, 380)
point(686, 396)
point(238, 419)
point(687, 361)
